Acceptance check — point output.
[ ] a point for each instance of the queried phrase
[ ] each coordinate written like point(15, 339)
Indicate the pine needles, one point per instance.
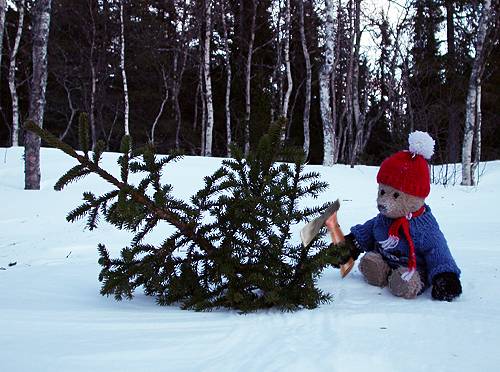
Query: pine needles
point(232, 246)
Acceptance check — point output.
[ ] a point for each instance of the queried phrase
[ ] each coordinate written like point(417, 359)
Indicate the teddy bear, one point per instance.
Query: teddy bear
point(404, 248)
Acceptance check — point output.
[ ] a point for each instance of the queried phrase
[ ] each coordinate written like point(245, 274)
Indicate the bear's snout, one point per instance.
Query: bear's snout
point(382, 208)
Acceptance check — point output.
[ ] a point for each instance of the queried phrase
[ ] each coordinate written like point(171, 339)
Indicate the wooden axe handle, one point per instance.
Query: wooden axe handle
point(338, 237)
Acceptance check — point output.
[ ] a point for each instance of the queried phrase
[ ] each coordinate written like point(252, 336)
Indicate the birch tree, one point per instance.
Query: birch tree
point(3, 10)
point(124, 74)
point(248, 76)
point(41, 25)
point(93, 75)
point(307, 59)
point(227, 61)
point(325, 76)
point(12, 74)
point(473, 91)
point(288, 66)
point(162, 106)
point(208, 80)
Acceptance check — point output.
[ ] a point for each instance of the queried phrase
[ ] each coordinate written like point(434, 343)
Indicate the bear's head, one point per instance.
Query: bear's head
point(394, 203)
point(404, 178)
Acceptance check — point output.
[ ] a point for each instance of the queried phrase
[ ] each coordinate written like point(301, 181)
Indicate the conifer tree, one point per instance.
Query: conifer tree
point(232, 246)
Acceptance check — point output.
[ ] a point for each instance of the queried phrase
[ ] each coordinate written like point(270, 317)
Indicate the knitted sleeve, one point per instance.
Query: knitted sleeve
point(438, 256)
point(364, 235)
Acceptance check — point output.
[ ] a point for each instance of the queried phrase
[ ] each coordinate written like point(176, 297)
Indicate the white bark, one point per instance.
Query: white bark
point(162, 107)
point(208, 80)
point(3, 10)
point(12, 75)
point(359, 118)
point(471, 101)
point(178, 73)
point(477, 138)
point(93, 79)
point(227, 60)
point(72, 109)
point(124, 74)
point(41, 25)
point(248, 78)
point(324, 88)
point(307, 58)
point(288, 67)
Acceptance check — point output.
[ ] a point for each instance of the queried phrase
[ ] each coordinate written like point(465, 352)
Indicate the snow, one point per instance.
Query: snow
point(52, 317)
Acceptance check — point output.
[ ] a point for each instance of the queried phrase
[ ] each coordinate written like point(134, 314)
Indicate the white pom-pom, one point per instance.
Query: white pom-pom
point(421, 143)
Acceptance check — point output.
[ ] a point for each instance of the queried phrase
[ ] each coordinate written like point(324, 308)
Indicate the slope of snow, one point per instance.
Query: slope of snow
point(52, 317)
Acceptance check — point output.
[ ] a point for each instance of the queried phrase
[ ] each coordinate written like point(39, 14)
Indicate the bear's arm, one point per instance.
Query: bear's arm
point(363, 234)
point(438, 256)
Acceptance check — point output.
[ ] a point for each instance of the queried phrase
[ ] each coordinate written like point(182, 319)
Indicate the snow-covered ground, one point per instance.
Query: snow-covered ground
point(52, 317)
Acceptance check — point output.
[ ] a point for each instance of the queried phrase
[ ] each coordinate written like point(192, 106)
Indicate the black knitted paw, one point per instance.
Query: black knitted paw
point(446, 287)
point(343, 252)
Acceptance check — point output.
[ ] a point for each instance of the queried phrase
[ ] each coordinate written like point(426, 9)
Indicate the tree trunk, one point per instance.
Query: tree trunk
point(453, 136)
point(162, 107)
point(93, 80)
point(477, 138)
point(288, 67)
point(307, 98)
point(124, 74)
point(41, 25)
point(248, 77)
point(208, 80)
point(359, 121)
point(324, 89)
point(3, 10)
point(12, 75)
point(471, 102)
point(227, 59)
point(72, 109)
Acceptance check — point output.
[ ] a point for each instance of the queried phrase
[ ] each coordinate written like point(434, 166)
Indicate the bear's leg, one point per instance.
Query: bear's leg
point(374, 269)
point(402, 288)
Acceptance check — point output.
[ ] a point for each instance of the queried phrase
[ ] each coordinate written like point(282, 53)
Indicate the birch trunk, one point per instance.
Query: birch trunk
point(359, 122)
point(307, 98)
point(324, 89)
point(208, 80)
point(93, 80)
point(72, 109)
point(477, 139)
point(288, 67)
point(12, 75)
point(248, 78)
point(3, 10)
point(178, 75)
point(41, 25)
point(162, 107)
point(124, 74)
point(471, 101)
point(227, 59)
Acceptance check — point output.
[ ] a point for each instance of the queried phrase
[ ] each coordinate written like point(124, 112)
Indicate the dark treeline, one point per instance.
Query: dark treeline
point(196, 75)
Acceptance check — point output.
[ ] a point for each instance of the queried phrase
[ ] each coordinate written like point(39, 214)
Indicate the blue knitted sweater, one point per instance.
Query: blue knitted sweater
point(431, 249)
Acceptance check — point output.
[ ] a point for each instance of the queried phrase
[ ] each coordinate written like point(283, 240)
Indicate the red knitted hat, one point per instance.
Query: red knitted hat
point(408, 171)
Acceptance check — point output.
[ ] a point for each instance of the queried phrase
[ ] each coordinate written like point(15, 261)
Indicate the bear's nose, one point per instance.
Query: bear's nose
point(382, 208)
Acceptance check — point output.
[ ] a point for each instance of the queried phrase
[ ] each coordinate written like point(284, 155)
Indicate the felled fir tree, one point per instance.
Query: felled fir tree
point(232, 246)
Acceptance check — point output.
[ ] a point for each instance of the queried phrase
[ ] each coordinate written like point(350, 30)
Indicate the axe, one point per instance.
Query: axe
point(311, 230)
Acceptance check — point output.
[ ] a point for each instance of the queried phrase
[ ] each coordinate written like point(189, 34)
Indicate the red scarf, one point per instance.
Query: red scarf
point(393, 240)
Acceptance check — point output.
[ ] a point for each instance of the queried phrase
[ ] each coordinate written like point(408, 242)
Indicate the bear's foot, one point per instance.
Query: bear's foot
point(401, 287)
point(374, 269)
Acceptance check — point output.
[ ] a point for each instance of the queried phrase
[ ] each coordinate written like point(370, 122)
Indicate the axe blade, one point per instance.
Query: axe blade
point(312, 229)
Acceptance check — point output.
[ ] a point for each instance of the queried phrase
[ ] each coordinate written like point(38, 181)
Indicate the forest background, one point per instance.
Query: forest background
point(351, 77)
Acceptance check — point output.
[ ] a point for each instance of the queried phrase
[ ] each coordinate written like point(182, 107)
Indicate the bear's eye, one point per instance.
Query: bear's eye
point(396, 195)
point(382, 192)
